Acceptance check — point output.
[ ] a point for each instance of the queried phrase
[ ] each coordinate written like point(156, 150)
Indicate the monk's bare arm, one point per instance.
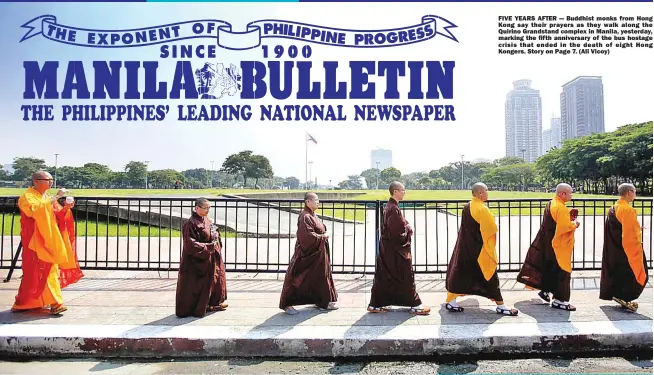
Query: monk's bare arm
point(194, 247)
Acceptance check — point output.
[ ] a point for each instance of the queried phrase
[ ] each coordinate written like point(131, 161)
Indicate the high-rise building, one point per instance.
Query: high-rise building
point(552, 136)
point(547, 140)
point(381, 156)
point(582, 107)
point(523, 121)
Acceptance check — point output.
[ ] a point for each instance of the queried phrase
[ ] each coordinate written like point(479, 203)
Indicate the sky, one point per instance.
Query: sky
point(482, 80)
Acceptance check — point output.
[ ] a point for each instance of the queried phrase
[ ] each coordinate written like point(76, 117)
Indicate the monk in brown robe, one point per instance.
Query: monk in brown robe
point(308, 279)
point(201, 281)
point(548, 264)
point(394, 283)
point(473, 266)
point(624, 266)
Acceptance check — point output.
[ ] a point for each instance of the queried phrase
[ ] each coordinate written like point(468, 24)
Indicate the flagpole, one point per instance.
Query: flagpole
point(306, 160)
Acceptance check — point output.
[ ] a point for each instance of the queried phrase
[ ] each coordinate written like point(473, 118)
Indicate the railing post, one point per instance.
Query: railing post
point(13, 262)
point(379, 214)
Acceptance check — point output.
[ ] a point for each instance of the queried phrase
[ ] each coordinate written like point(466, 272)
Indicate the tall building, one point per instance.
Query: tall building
point(523, 121)
point(547, 140)
point(384, 157)
point(552, 136)
point(582, 107)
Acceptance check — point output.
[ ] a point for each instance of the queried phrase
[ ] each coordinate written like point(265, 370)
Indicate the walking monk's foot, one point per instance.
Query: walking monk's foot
point(504, 310)
point(57, 309)
point(631, 306)
point(332, 306)
point(377, 310)
point(290, 310)
point(222, 307)
point(419, 310)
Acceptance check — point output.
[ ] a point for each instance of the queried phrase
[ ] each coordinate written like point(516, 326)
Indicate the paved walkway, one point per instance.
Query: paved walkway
point(126, 313)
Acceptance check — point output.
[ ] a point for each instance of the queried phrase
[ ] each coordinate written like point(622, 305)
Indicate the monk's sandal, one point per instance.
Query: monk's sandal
point(510, 312)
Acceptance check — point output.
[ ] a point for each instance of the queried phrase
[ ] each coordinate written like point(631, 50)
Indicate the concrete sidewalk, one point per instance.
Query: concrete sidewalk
point(131, 314)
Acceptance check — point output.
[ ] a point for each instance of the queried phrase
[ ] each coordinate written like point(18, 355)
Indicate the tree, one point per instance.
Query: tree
point(164, 178)
point(292, 182)
point(24, 167)
point(237, 164)
point(372, 177)
point(258, 166)
point(390, 174)
point(136, 173)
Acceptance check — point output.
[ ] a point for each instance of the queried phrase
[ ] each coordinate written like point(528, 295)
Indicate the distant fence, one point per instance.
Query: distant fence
point(259, 235)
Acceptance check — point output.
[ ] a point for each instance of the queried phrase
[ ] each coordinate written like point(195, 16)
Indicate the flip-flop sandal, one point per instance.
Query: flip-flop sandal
point(510, 312)
point(377, 310)
point(563, 306)
point(544, 296)
point(423, 311)
point(451, 308)
point(221, 307)
point(56, 310)
point(631, 306)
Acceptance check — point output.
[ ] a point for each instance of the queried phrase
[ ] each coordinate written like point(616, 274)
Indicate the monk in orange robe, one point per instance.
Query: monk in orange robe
point(473, 267)
point(624, 266)
point(43, 248)
point(69, 272)
point(548, 265)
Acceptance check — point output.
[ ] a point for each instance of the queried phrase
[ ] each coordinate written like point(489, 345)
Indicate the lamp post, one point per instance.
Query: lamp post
point(146, 173)
point(211, 176)
point(462, 187)
point(310, 182)
point(377, 187)
point(55, 176)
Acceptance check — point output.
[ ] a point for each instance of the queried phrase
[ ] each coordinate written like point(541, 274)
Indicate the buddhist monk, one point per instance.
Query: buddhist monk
point(308, 279)
point(201, 281)
point(624, 266)
point(69, 272)
point(548, 265)
point(394, 282)
point(43, 248)
point(473, 266)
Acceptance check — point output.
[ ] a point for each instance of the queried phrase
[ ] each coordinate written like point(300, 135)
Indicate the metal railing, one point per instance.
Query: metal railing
point(123, 233)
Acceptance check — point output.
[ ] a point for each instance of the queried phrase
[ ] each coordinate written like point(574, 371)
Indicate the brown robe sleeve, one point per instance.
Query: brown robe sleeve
point(194, 247)
point(307, 234)
point(398, 229)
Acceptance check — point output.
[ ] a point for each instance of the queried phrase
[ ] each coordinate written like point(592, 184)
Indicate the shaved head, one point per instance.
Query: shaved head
point(625, 189)
point(310, 196)
point(563, 188)
point(40, 175)
point(564, 192)
point(395, 185)
point(201, 202)
point(478, 188)
point(397, 190)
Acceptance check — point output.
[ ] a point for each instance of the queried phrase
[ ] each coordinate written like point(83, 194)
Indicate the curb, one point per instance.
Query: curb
point(159, 341)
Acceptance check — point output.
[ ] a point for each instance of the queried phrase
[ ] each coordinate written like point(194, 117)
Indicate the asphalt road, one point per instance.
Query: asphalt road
point(256, 366)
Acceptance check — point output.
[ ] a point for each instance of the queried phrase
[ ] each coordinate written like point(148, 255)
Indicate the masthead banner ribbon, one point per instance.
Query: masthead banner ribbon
point(227, 38)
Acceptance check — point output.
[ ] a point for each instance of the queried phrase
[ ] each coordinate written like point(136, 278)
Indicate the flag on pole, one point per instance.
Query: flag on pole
point(312, 139)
